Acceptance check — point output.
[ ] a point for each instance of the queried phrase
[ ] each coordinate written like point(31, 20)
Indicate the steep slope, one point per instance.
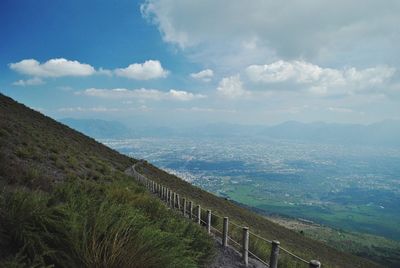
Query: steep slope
point(302, 246)
point(60, 187)
point(42, 151)
point(65, 202)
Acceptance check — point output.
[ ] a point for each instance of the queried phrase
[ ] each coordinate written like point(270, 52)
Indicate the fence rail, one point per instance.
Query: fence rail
point(229, 236)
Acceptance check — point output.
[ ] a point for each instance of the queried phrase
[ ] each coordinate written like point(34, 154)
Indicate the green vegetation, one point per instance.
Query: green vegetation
point(91, 224)
point(376, 248)
point(65, 202)
point(379, 249)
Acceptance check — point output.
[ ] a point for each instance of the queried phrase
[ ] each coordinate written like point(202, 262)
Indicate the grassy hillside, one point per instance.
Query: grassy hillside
point(376, 248)
point(297, 243)
point(65, 202)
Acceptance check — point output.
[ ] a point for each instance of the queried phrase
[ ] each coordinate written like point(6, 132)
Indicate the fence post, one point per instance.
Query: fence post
point(178, 202)
point(198, 214)
point(190, 209)
point(168, 195)
point(273, 261)
point(245, 253)
point(184, 206)
point(225, 232)
point(209, 221)
point(315, 264)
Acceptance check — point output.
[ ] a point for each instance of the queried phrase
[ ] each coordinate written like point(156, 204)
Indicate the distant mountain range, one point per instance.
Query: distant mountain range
point(99, 129)
point(385, 133)
point(382, 133)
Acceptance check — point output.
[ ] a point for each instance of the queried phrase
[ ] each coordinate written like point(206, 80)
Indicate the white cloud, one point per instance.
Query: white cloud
point(231, 87)
point(339, 110)
point(184, 95)
point(250, 31)
point(101, 109)
point(141, 94)
point(52, 68)
point(29, 82)
point(88, 109)
point(102, 71)
point(317, 79)
point(121, 93)
point(205, 110)
point(204, 75)
point(60, 67)
point(150, 69)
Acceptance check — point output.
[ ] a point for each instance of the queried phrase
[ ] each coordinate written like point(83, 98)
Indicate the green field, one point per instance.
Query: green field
point(344, 223)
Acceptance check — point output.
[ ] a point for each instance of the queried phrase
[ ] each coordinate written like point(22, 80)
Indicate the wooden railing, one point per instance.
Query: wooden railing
point(229, 234)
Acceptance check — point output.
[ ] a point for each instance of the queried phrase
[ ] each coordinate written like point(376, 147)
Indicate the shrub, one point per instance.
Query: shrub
point(96, 224)
point(30, 229)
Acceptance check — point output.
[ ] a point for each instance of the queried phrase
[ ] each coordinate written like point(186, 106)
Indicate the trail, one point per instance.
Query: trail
point(225, 257)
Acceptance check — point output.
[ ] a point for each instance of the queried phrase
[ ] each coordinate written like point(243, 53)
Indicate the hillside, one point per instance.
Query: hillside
point(65, 202)
point(297, 243)
point(65, 199)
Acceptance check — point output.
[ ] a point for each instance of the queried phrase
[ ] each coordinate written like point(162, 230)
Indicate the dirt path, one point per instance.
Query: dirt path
point(229, 257)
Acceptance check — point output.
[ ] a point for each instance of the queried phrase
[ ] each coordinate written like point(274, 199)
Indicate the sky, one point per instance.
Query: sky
point(178, 62)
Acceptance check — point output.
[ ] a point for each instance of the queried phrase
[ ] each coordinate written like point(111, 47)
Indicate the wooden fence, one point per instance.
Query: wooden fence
point(230, 233)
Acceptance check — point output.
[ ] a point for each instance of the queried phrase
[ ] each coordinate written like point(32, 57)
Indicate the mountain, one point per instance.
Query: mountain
point(386, 133)
point(65, 201)
point(99, 129)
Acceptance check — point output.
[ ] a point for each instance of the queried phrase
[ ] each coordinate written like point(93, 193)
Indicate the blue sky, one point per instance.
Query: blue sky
point(179, 62)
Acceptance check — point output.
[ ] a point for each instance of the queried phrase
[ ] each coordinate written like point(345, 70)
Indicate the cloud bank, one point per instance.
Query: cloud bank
point(29, 82)
point(321, 31)
point(320, 80)
point(61, 67)
point(141, 94)
point(52, 68)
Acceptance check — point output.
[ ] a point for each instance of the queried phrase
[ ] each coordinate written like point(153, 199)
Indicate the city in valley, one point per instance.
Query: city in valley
point(353, 188)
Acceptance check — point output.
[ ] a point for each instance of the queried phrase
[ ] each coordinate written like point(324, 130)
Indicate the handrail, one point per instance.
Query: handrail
point(171, 199)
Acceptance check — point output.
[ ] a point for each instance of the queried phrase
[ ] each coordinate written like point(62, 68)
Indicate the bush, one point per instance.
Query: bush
point(96, 224)
point(30, 229)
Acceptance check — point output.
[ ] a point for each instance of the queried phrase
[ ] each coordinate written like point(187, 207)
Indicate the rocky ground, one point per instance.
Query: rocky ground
point(229, 257)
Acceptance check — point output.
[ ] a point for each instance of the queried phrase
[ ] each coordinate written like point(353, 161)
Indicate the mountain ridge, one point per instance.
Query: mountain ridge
point(383, 133)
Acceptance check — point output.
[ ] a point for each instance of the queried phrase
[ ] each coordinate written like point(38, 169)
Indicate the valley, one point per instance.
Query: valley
point(351, 190)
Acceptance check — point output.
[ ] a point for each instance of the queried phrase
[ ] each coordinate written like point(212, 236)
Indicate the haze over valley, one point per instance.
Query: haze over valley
point(340, 175)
